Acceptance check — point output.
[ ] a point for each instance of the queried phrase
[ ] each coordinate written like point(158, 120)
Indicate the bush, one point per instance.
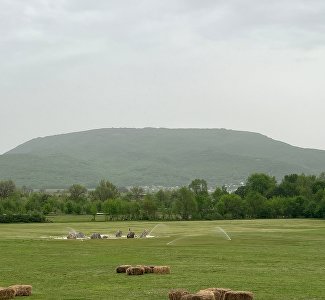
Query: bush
point(22, 218)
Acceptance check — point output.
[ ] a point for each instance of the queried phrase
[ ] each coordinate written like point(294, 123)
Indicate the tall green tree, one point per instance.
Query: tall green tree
point(256, 204)
point(219, 192)
point(185, 204)
point(204, 201)
point(7, 188)
point(106, 190)
point(232, 206)
point(77, 192)
point(261, 183)
point(149, 207)
point(199, 187)
point(136, 193)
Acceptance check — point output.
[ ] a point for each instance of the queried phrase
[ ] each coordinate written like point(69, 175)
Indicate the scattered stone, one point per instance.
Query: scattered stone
point(75, 235)
point(80, 235)
point(95, 235)
point(130, 235)
point(118, 234)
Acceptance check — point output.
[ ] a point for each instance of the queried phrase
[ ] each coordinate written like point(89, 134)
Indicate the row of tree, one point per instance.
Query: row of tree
point(261, 197)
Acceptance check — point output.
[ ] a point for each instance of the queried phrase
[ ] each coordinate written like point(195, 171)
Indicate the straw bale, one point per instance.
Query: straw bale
point(161, 270)
point(216, 292)
point(122, 268)
point(177, 294)
point(199, 296)
point(238, 295)
point(147, 269)
point(135, 271)
point(222, 291)
point(7, 293)
point(22, 289)
point(206, 295)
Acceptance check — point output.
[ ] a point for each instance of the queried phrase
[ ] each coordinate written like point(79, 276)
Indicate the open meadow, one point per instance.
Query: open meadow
point(276, 259)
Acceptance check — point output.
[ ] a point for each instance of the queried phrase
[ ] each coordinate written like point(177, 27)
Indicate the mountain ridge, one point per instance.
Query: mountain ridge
point(154, 156)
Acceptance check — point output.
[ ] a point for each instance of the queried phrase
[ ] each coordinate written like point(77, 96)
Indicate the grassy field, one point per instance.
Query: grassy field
point(276, 259)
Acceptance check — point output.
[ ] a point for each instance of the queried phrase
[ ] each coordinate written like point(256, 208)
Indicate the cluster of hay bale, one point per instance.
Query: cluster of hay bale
point(135, 271)
point(122, 268)
point(14, 291)
point(210, 294)
point(22, 289)
point(7, 293)
point(177, 294)
point(142, 269)
point(147, 269)
point(161, 270)
point(238, 295)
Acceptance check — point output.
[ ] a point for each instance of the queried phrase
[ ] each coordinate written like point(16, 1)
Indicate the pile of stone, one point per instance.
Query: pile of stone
point(75, 235)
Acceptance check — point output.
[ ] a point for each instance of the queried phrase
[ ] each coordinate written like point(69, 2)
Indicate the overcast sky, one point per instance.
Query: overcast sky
point(72, 65)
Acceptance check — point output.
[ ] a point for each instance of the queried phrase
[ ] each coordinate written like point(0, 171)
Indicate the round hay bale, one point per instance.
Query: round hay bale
point(190, 297)
point(7, 293)
point(122, 268)
point(177, 294)
point(198, 296)
point(217, 294)
point(135, 271)
point(147, 269)
point(238, 295)
point(22, 289)
point(161, 270)
point(206, 295)
point(222, 292)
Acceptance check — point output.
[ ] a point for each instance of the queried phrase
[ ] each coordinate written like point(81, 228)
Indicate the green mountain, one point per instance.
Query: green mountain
point(152, 156)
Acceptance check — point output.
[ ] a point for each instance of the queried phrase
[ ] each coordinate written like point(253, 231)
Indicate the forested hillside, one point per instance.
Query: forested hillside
point(151, 156)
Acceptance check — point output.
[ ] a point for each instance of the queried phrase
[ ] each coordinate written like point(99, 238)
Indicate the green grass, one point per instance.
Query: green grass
point(276, 259)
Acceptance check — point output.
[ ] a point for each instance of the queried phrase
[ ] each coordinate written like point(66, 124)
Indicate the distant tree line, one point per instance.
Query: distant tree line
point(296, 196)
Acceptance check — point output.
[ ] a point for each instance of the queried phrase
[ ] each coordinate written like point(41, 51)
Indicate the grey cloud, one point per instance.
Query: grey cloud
point(49, 25)
point(292, 22)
